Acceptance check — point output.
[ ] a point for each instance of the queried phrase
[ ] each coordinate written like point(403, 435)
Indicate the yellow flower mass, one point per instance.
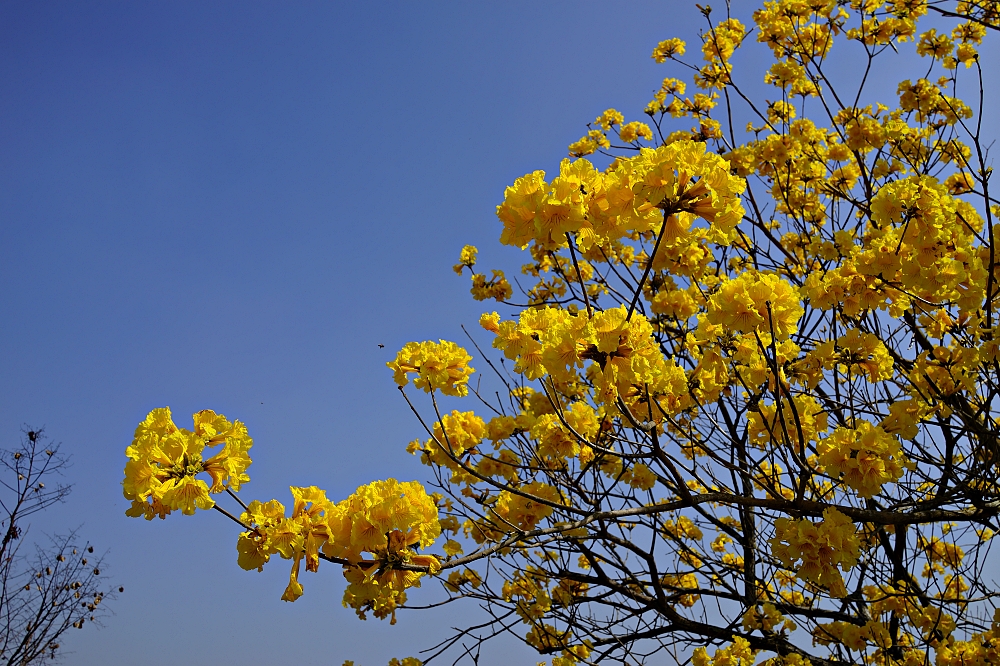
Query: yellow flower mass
point(438, 366)
point(866, 457)
point(756, 302)
point(817, 549)
point(741, 399)
point(374, 532)
point(163, 473)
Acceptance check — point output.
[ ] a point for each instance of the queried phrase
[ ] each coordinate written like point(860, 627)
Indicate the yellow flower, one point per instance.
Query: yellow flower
point(816, 549)
point(640, 477)
point(668, 48)
point(186, 494)
point(297, 537)
point(524, 511)
point(935, 45)
point(737, 653)
point(365, 520)
point(800, 422)
point(467, 258)
point(254, 546)
point(442, 366)
point(389, 520)
point(683, 528)
point(609, 118)
point(521, 204)
point(757, 302)
point(454, 434)
point(866, 457)
point(497, 287)
point(780, 112)
point(720, 43)
point(165, 461)
point(864, 353)
point(633, 131)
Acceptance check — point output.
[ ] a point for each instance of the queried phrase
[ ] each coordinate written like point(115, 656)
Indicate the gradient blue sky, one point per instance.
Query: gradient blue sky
point(230, 206)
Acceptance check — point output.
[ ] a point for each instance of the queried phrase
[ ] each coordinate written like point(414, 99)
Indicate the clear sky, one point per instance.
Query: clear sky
point(231, 206)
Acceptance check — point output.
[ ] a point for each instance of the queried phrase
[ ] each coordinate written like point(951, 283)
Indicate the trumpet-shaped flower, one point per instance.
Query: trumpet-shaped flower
point(165, 461)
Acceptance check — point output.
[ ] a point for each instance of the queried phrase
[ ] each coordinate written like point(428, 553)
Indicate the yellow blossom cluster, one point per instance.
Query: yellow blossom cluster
point(939, 552)
point(767, 618)
point(756, 302)
point(815, 550)
point(533, 593)
point(385, 520)
point(496, 287)
point(981, 649)
point(165, 462)
point(630, 195)
point(866, 457)
point(794, 423)
point(682, 528)
point(623, 357)
point(454, 435)
point(737, 653)
point(438, 366)
point(518, 509)
point(640, 477)
point(597, 138)
point(388, 520)
point(799, 31)
point(862, 353)
point(682, 588)
point(668, 48)
point(297, 537)
point(466, 259)
point(853, 636)
point(943, 371)
point(922, 239)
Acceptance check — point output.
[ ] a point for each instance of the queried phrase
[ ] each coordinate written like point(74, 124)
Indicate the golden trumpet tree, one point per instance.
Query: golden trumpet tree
point(745, 409)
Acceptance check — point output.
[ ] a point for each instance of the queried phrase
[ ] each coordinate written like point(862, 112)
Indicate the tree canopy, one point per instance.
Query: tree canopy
point(746, 407)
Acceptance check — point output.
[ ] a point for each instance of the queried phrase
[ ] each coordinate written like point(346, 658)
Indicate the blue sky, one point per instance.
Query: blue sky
point(231, 206)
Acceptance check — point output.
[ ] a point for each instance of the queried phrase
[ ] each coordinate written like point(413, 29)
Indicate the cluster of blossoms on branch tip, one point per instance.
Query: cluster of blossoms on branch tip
point(162, 474)
point(375, 533)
